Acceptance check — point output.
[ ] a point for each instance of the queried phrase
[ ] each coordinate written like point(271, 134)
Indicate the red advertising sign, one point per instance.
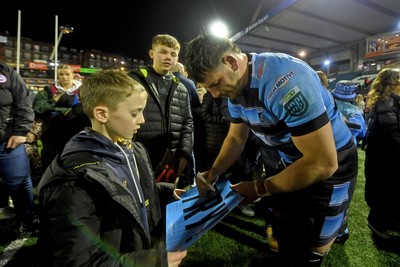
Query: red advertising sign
point(76, 68)
point(37, 66)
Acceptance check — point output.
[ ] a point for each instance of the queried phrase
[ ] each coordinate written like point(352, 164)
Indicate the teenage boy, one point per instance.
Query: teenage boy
point(99, 204)
point(169, 122)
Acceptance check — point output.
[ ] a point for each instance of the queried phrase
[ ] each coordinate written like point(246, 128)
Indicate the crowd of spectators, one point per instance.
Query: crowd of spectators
point(276, 145)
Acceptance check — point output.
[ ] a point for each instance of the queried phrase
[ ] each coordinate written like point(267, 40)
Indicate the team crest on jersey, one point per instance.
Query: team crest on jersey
point(294, 102)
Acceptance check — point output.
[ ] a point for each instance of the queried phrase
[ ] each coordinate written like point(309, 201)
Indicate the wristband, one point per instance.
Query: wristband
point(261, 188)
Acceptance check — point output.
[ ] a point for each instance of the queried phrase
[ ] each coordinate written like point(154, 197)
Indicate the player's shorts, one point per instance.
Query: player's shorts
point(313, 216)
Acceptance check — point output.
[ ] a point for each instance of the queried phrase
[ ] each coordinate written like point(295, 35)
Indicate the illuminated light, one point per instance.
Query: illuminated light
point(302, 54)
point(327, 62)
point(66, 29)
point(219, 28)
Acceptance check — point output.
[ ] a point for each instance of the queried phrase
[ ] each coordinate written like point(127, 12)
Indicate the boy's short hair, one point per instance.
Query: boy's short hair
point(108, 88)
point(65, 67)
point(167, 40)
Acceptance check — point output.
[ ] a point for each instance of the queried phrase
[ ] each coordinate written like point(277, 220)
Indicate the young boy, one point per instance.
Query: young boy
point(99, 203)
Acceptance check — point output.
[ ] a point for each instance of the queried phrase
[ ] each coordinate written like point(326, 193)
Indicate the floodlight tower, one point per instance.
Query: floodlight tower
point(63, 30)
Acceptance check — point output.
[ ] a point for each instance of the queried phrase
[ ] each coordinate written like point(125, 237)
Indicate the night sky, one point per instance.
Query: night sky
point(117, 28)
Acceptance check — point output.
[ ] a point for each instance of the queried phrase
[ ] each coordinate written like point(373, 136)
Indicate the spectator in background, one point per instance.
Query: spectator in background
point(344, 95)
point(51, 105)
point(169, 122)
point(32, 149)
point(199, 132)
point(17, 118)
point(382, 154)
point(201, 91)
point(99, 202)
point(360, 103)
point(180, 72)
point(281, 99)
point(78, 77)
point(324, 79)
point(214, 130)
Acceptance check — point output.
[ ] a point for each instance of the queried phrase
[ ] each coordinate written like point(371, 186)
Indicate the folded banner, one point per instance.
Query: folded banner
point(166, 170)
point(192, 216)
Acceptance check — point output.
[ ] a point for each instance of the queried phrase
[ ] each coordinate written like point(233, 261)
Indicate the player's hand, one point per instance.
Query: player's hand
point(175, 258)
point(245, 189)
point(211, 179)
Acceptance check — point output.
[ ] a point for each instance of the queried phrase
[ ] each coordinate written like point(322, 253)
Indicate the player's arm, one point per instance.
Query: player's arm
point(318, 163)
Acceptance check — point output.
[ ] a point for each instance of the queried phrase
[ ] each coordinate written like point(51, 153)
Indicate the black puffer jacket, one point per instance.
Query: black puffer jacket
point(16, 113)
point(215, 128)
point(88, 217)
point(165, 127)
point(382, 157)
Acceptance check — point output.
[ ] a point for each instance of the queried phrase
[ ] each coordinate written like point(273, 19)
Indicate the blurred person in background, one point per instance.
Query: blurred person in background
point(323, 78)
point(382, 154)
point(78, 77)
point(17, 118)
point(180, 72)
point(199, 131)
point(32, 149)
point(360, 103)
point(51, 105)
point(344, 94)
point(201, 91)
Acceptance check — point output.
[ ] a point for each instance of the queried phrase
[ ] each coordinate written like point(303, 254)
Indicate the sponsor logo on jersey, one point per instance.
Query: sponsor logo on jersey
point(281, 82)
point(294, 102)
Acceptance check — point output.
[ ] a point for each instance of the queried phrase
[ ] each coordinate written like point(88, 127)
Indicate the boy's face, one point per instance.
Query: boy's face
point(126, 120)
point(65, 77)
point(164, 58)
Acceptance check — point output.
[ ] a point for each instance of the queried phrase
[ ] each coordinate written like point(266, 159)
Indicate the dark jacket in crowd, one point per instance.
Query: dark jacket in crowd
point(16, 113)
point(382, 157)
point(60, 120)
point(192, 90)
point(215, 128)
point(88, 216)
point(169, 126)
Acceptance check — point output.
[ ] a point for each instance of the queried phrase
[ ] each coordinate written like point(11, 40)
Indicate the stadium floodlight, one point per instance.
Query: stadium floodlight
point(63, 30)
point(219, 28)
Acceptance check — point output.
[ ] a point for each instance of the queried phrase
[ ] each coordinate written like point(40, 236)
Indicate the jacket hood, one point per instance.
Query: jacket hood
point(86, 148)
point(76, 84)
point(89, 141)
